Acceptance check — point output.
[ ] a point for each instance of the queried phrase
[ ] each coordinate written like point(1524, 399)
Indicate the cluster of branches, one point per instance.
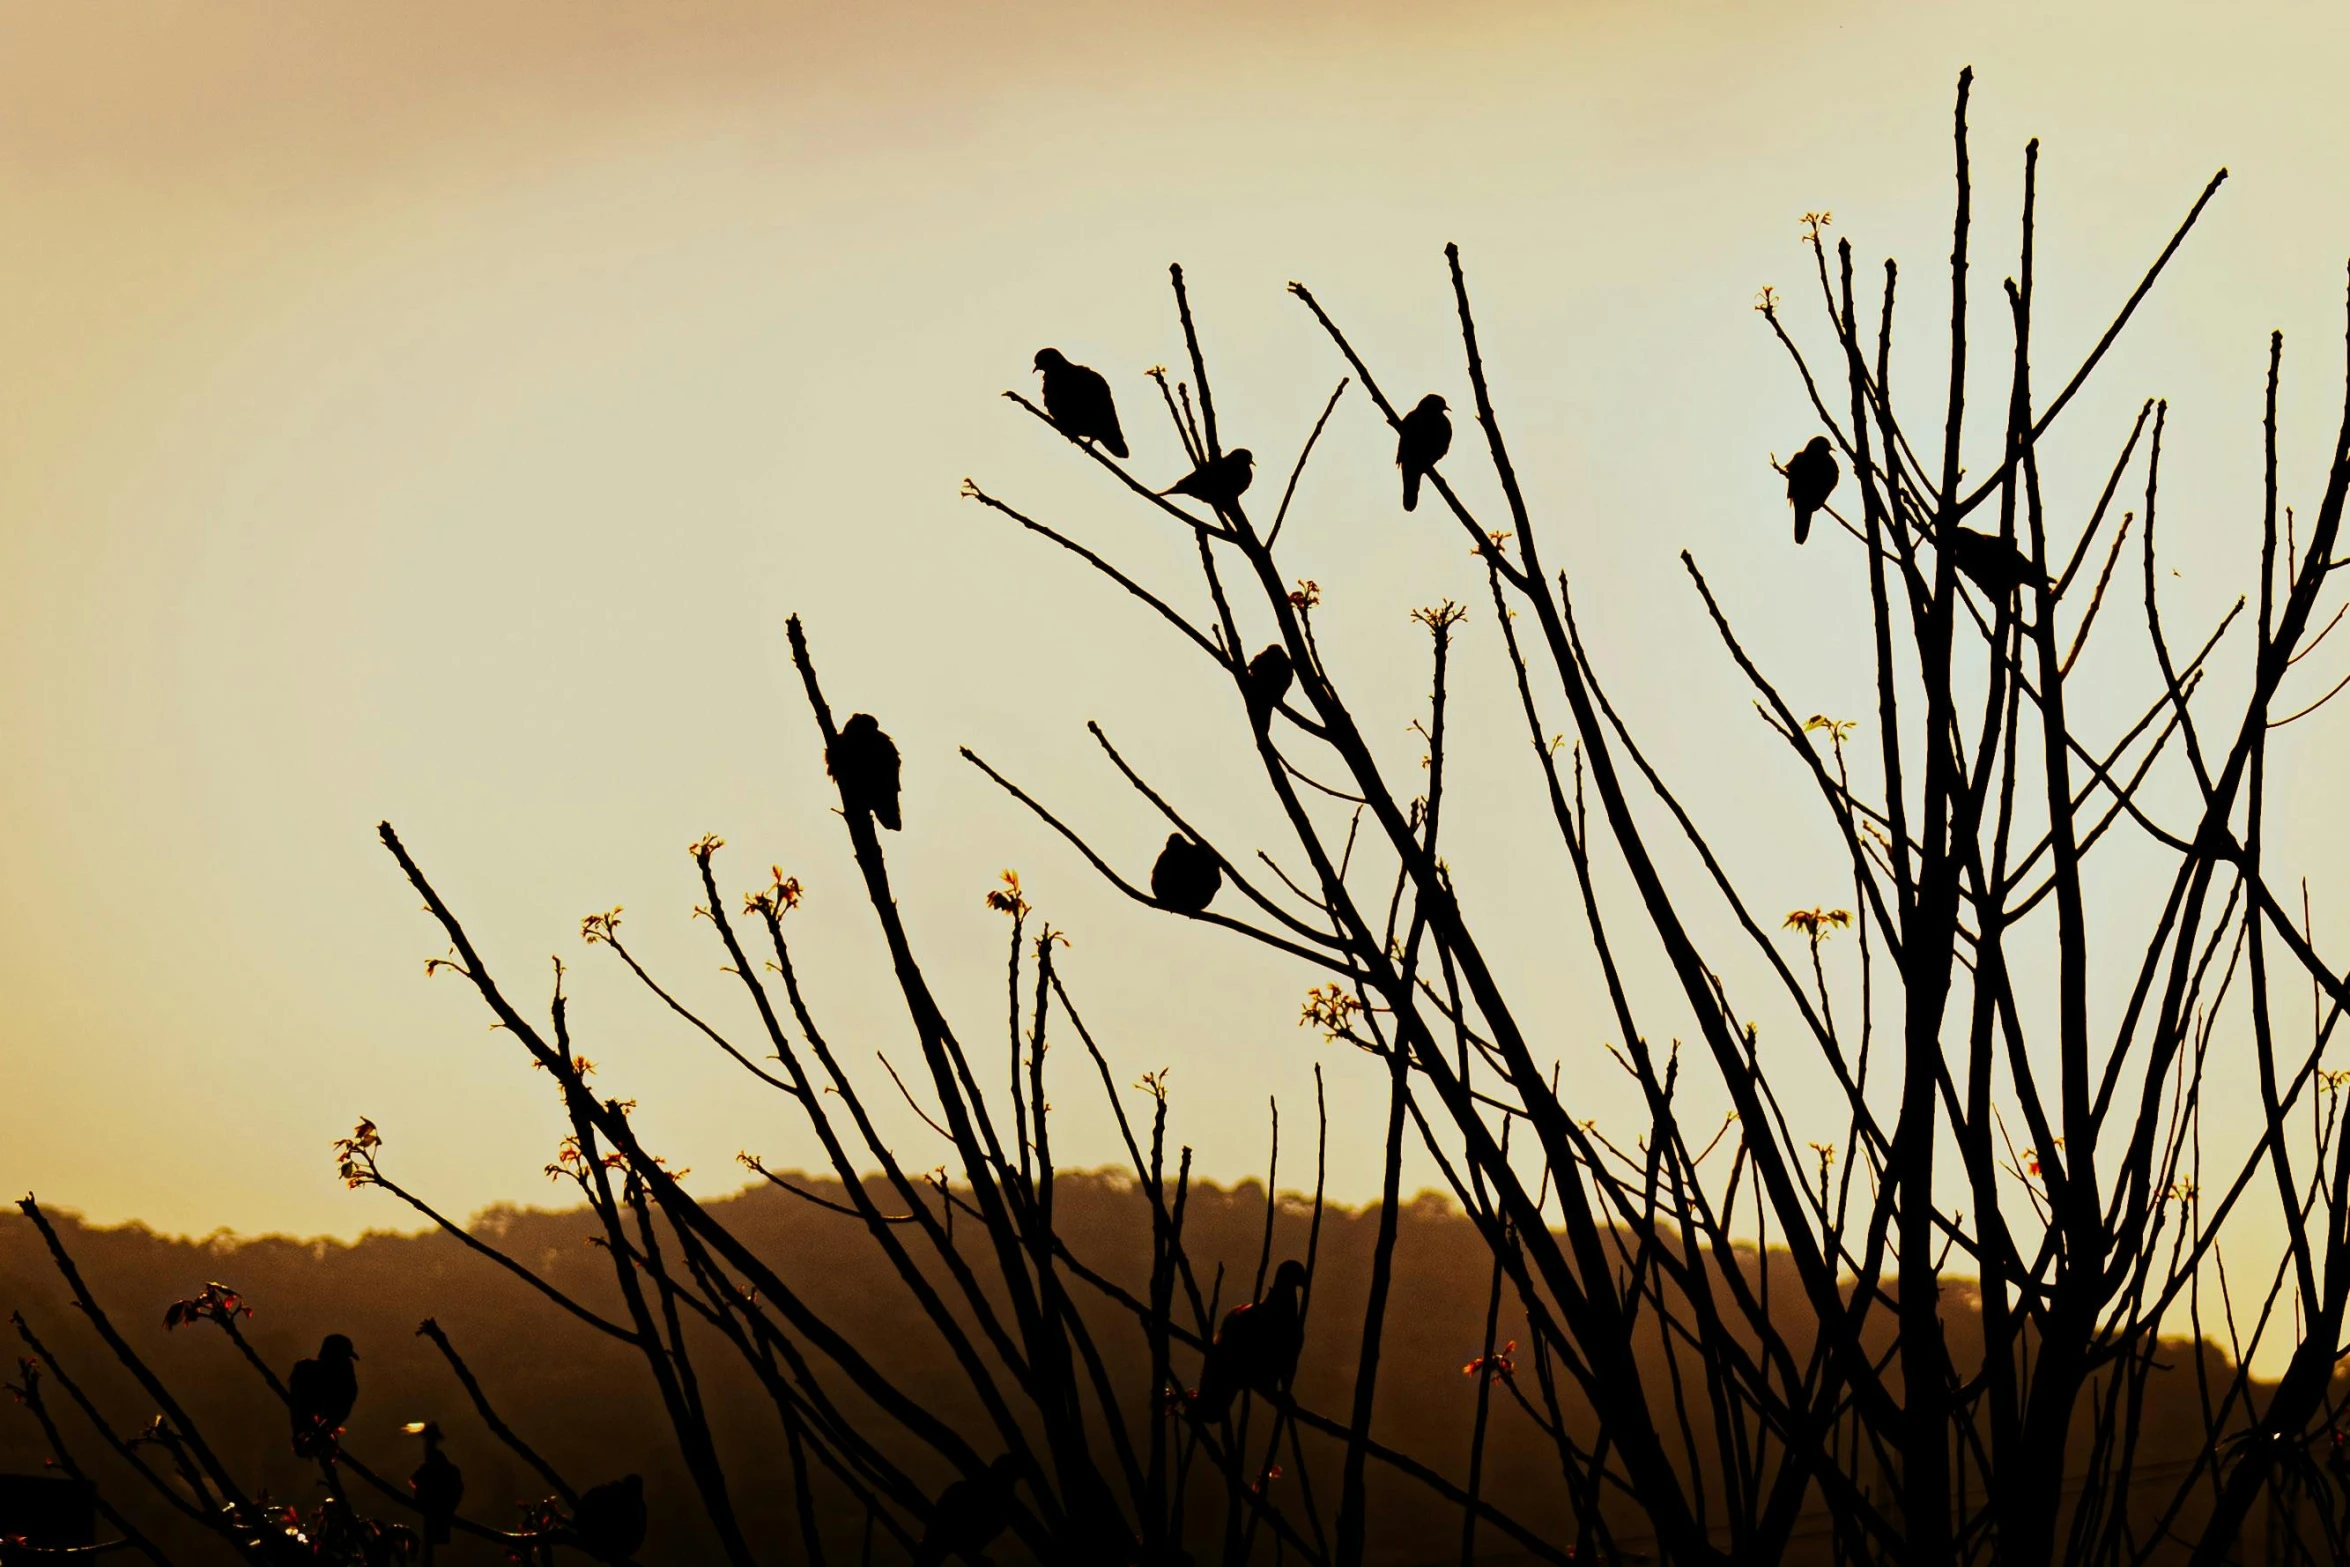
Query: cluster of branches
point(361, 1518)
point(1850, 1412)
point(1100, 1472)
point(1844, 1414)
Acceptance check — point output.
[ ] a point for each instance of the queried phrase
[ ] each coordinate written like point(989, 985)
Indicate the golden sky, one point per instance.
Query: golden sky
point(431, 412)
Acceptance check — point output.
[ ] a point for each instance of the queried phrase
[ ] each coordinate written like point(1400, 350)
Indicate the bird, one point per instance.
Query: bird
point(1078, 400)
point(1269, 674)
point(319, 1396)
point(1219, 481)
point(609, 1520)
point(1422, 438)
point(969, 1513)
point(437, 1484)
point(865, 765)
point(1811, 478)
point(1186, 876)
point(1257, 1347)
point(1997, 567)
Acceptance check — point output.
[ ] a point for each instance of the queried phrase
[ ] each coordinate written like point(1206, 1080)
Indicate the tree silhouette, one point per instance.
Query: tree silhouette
point(1931, 1336)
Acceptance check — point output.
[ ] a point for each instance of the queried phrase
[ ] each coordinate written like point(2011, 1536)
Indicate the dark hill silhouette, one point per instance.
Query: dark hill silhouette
point(585, 1402)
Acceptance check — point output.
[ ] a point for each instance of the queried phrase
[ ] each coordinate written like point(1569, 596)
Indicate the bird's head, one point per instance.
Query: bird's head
point(1242, 456)
point(337, 1348)
point(1291, 1275)
point(1049, 359)
point(429, 1430)
point(1176, 840)
point(1432, 404)
point(860, 724)
point(1817, 446)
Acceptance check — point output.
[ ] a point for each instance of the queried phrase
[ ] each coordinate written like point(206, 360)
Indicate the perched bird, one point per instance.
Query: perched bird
point(969, 1513)
point(1421, 439)
point(1079, 402)
point(437, 1484)
point(1219, 481)
point(1811, 478)
point(609, 1521)
point(865, 765)
point(1269, 674)
point(1187, 875)
point(319, 1396)
point(1257, 1347)
point(1998, 568)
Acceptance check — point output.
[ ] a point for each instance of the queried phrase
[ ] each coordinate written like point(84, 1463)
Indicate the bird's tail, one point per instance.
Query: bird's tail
point(1114, 443)
point(1411, 489)
point(889, 816)
point(1802, 524)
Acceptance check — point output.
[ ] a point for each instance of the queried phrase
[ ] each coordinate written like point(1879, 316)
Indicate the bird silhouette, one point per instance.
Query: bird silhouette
point(609, 1522)
point(1187, 875)
point(1811, 478)
point(1422, 438)
point(1220, 481)
point(969, 1513)
point(1079, 401)
point(1997, 567)
point(437, 1484)
point(865, 765)
point(1257, 1347)
point(319, 1396)
point(1269, 674)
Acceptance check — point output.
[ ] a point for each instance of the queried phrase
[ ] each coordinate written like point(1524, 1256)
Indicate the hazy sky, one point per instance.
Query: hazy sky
point(432, 412)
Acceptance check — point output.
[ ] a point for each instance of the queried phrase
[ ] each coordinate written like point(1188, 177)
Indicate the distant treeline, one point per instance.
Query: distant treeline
point(586, 1403)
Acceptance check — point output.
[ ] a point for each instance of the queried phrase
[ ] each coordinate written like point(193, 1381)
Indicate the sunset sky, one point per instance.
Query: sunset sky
point(432, 412)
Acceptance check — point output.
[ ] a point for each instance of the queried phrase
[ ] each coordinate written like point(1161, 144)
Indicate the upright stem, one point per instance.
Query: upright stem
point(1351, 1503)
